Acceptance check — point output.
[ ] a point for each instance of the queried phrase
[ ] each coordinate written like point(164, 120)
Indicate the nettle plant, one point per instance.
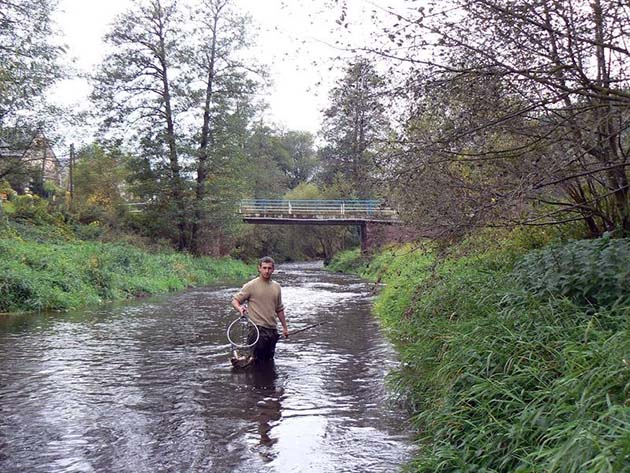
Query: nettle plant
point(593, 273)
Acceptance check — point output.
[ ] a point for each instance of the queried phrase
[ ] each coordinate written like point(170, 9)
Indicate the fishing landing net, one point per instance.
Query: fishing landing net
point(242, 334)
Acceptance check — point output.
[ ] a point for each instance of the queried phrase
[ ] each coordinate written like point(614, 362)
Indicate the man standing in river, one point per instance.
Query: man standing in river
point(264, 298)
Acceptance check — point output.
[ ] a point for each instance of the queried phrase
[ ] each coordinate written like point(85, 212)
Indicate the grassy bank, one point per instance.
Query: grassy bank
point(61, 275)
point(512, 361)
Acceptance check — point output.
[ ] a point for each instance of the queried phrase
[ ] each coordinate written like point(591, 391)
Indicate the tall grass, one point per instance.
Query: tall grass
point(66, 275)
point(513, 363)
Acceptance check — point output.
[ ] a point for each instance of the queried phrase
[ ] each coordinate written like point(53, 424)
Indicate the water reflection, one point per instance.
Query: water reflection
point(148, 386)
point(262, 378)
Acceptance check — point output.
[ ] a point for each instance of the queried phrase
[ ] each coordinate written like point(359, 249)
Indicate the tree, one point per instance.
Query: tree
point(301, 162)
point(265, 176)
point(135, 88)
point(176, 80)
point(224, 99)
point(99, 184)
point(29, 65)
point(28, 59)
point(524, 98)
point(354, 123)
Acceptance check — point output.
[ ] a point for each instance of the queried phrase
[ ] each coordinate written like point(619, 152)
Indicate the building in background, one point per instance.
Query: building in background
point(29, 164)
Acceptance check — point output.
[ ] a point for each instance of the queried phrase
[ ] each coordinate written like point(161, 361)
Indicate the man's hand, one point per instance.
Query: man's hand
point(283, 321)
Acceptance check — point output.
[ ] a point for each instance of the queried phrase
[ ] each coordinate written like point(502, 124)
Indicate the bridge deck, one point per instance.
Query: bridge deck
point(316, 212)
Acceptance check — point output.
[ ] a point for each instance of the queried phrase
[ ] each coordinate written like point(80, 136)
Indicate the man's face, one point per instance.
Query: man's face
point(265, 270)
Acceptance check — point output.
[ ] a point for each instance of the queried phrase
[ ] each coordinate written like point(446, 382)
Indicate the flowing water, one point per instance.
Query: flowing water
point(148, 387)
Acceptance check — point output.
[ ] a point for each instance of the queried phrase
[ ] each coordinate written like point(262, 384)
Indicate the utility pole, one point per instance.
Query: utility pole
point(71, 177)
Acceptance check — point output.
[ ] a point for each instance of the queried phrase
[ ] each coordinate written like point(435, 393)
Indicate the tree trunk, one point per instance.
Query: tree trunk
point(204, 145)
point(177, 187)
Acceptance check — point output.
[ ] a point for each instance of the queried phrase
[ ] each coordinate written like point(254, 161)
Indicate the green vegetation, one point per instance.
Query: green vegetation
point(512, 361)
point(63, 272)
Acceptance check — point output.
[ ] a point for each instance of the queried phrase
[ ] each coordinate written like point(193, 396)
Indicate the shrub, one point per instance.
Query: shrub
point(350, 261)
point(32, 209)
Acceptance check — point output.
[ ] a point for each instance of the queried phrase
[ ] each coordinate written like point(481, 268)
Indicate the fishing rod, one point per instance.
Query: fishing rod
point(239, 334)
point(239, 330)
point(308, 327)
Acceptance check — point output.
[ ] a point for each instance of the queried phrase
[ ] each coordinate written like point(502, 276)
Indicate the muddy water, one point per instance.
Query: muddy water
point(148, 387)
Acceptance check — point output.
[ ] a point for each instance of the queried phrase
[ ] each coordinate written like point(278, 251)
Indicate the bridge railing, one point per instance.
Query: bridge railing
point(329, 208)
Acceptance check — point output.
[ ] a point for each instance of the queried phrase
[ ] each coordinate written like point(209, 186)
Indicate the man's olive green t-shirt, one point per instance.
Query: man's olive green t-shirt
point(264, 300)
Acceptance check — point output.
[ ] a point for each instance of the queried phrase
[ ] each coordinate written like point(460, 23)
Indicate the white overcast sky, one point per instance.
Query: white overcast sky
point(296, 40)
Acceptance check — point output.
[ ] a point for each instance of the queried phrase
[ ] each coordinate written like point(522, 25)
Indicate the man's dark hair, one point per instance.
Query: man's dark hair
point(266, 259)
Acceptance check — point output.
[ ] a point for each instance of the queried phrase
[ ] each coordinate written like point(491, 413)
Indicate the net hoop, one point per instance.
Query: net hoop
point(242, 330)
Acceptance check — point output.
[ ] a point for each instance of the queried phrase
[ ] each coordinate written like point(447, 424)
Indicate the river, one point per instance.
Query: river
point(147, 386)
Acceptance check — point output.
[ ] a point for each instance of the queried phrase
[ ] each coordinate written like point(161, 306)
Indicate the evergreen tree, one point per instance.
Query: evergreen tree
point(354, 123)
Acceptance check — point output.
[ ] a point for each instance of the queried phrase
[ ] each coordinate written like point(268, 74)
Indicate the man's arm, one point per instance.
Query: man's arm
point(242, 308)
point(283, 321)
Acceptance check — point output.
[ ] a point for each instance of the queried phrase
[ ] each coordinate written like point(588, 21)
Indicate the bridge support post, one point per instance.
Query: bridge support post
point(363, 235)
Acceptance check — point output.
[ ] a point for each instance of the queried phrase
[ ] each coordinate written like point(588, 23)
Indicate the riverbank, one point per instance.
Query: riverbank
point(58, 275)
point(512, 359)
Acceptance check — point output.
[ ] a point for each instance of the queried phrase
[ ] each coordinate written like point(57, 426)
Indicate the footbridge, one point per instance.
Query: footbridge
point(319, 212)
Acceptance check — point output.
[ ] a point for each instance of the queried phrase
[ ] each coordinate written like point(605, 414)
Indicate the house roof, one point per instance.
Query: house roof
point(19, 149)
